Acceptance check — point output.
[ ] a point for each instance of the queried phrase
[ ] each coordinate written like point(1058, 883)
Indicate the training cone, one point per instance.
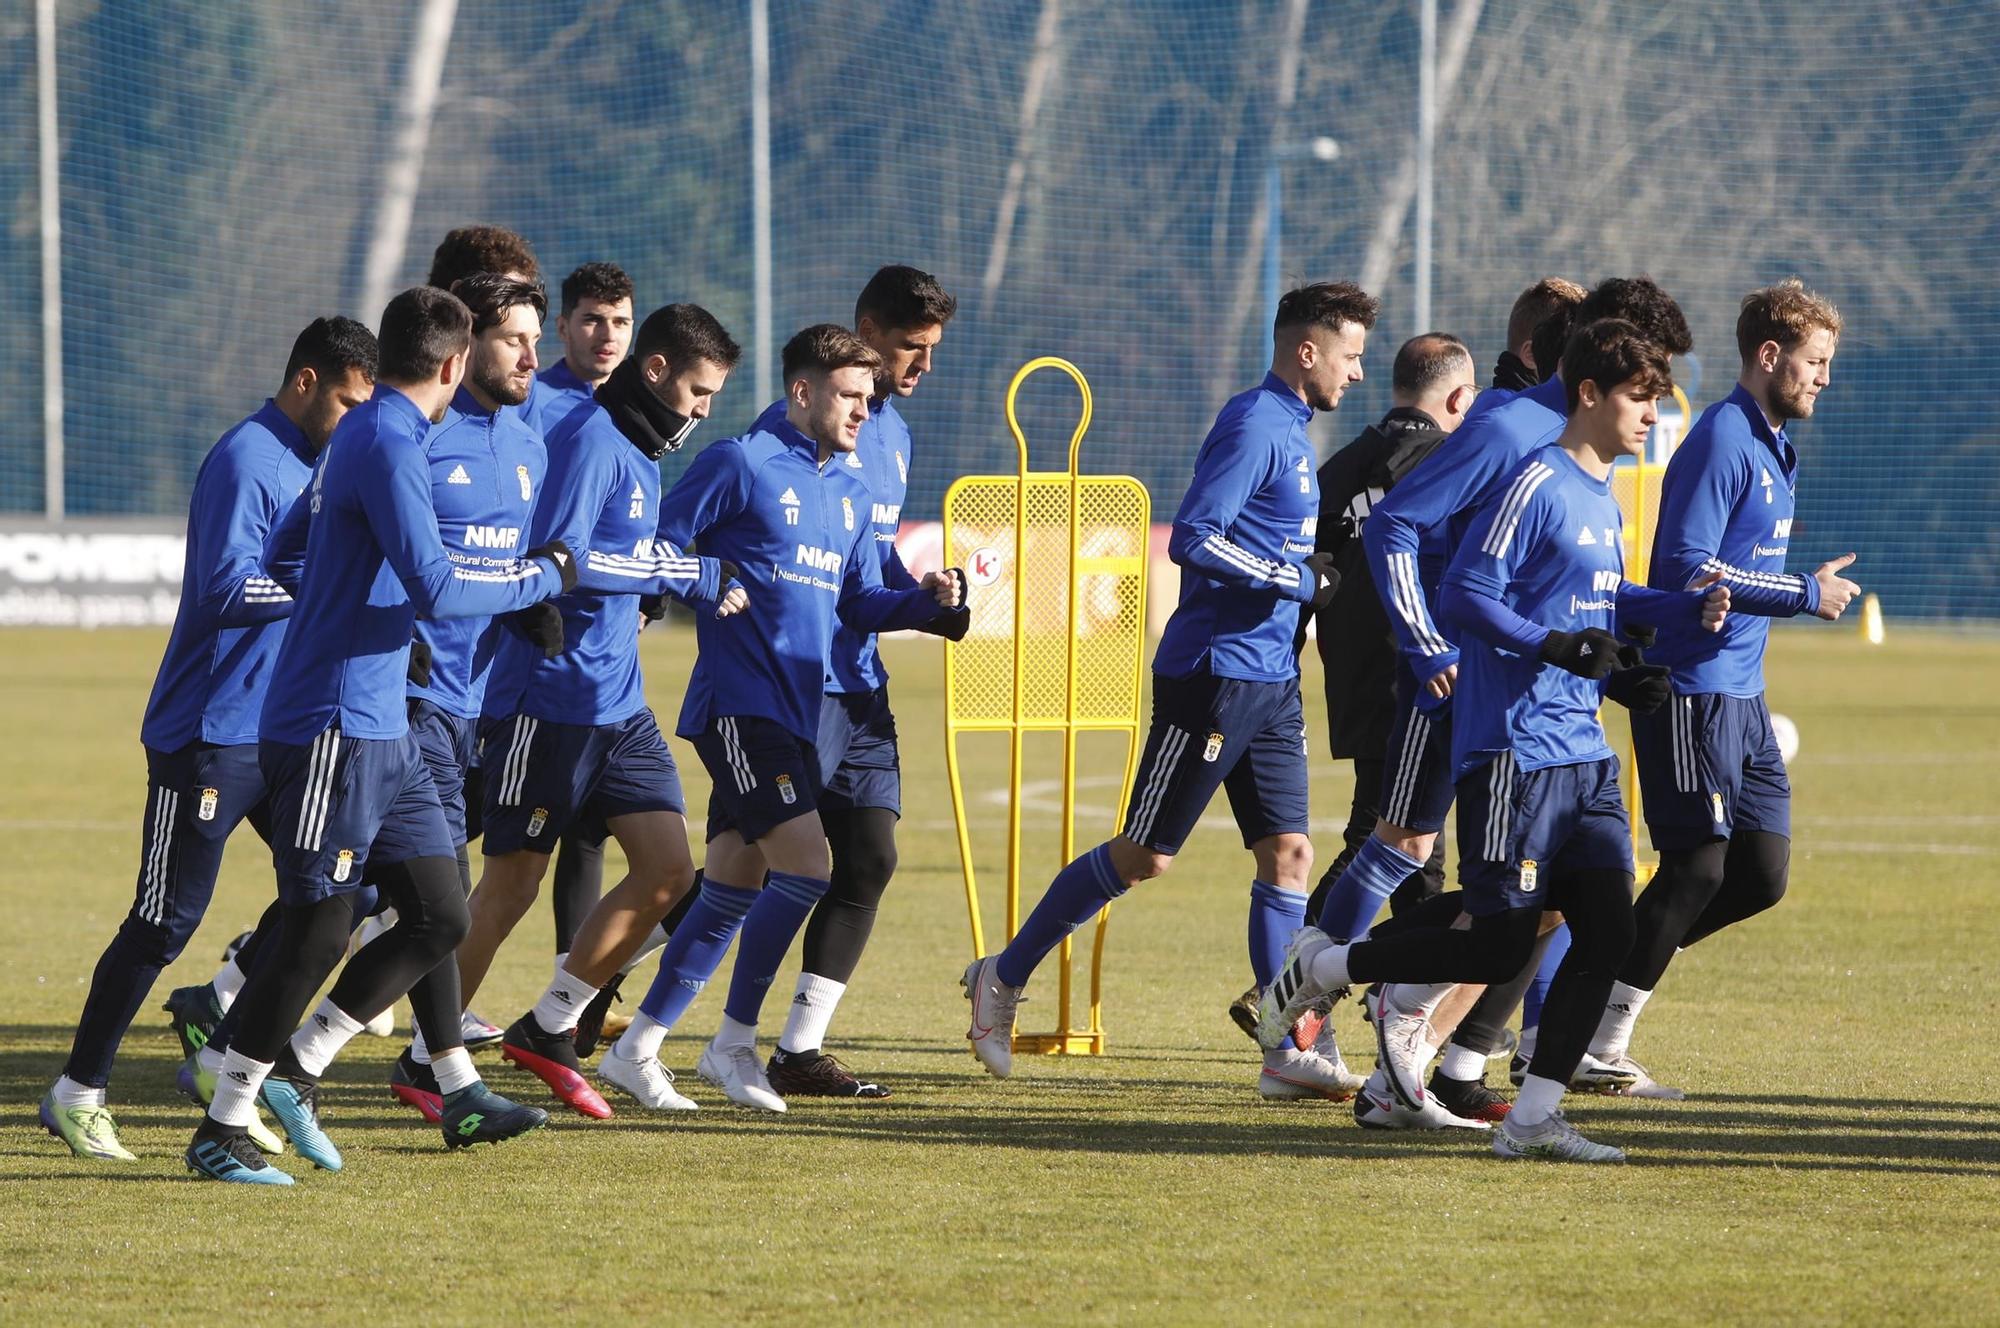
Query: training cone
point(1871, 619)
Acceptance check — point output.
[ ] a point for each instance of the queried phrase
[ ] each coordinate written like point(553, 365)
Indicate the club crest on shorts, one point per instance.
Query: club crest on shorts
point(343, 866)
point(538, 821)
point(209, 798)
point(1529, 872)
point(786, 793)
point(527, 490)
point(1213, 750)
point(1715, 806)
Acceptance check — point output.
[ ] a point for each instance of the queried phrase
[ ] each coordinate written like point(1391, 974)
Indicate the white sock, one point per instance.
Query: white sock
point(1329, 968)
point(320, 1038)
point(1417, 998)
point(454, 1070)
point(1614, 1030)
point(236, 1088)
point(734, 1034)
point(1462, 1063)
point(228, 980)
point(69, 1093)
point(655, 938)
point(210, 1059)
point(643, 1040)
point(812, 1010)
point(1538, 1097)
point(1525, 1052)
point(420, 1050)
point(562, 1002)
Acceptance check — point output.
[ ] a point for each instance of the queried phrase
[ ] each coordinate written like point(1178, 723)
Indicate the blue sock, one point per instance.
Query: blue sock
point(1371, 877)
point(1274, 915)
point(695, 949)
point(1538, 989)
point(1076, 895)
point(781, 909)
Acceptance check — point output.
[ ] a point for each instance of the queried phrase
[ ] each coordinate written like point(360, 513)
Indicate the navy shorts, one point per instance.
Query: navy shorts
point(1708, 767)
point(541, 778)
point(1520, 832)
point(447, 741)
point(1209, 733)
point(340, 804)
point(1417, 787)
point(858, 765)
point(764, 775)
point(196, 796)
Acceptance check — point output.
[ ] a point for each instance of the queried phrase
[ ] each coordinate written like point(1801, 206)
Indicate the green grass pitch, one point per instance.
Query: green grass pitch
point(1838, 1159)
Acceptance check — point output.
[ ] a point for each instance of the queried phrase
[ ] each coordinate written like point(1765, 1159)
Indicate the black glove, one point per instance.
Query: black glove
point(420, 662)
point(557, 552)
point(1642, 637)
point(1638, 686)
point(541, 625)
point(951, 624)
point(1325, 577)
point(652, 607)
point(1591, 653)
point(730, 572)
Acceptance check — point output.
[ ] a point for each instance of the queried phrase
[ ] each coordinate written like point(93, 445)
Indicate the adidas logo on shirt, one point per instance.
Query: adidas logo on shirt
point(788, 497)
point(1585, 537)
point(458, 476)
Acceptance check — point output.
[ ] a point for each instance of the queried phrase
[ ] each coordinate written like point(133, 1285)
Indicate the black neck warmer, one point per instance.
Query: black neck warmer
point(653, 427)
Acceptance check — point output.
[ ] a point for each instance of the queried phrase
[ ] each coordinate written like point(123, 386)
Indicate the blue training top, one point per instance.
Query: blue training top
point(1726, 506)
point(881, 460)
point(486, 470)
point(800, 533)
point(603, 492)
point(1241, 537)
point(1551, 549)
point(232, 616)
point(557, 392)
point(1417, 528)
point(363, 549)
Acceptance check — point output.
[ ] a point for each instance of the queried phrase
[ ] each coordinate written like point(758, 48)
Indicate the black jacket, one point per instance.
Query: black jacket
point(1356, 644)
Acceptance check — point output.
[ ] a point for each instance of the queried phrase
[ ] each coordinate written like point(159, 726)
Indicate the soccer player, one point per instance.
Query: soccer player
point(1433, 383)
point(1534, 590)
point(577, 742)
point(200, 726)
point(901, 314)
point(595, 328)
point(1410, 537)
point(1226, 709)
point(487, 469)
point(1715, 794)
point(781, 504)
point(351, 797)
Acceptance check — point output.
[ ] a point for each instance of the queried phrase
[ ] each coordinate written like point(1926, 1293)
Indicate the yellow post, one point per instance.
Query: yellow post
point(1046, 552)
point(1871, 619)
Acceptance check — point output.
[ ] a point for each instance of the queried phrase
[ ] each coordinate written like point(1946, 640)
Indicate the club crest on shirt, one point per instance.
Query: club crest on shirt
point(902, 469)
point(847, 511)
point(1530, 871)
point(343, 866)
point(538, 821)
point(786, 793)
point(1213, 751)
point(527, 490)
point(209, 798)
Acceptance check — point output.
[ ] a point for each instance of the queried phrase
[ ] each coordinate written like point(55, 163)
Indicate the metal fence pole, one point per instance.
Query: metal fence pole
point(53, 501)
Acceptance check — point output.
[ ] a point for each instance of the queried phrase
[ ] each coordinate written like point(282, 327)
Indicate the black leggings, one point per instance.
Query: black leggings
point(1495, 948)
point(1489, 1016)
point(579, 880)
point(431, 921)
point(1697, 892)
point(1361, 817)
point(863, 842)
